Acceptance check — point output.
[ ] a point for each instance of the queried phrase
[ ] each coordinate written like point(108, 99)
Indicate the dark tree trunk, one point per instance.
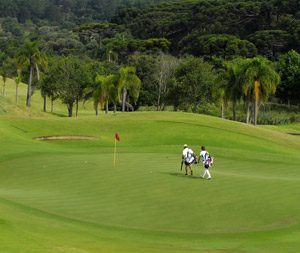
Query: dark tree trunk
point(76, 107)
point(17, 91)
point(255, 112)
point(106, 103)
point(96, 109)
point(248, 107)
point(70, 109)
point(28, 102)
point(124, 98)
point(52, 102)
point(45, 103)
point(234, 110)
point(222, 111)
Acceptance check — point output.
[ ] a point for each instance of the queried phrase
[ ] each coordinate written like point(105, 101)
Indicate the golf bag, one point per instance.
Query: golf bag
point(195, 159)
point(208, 162)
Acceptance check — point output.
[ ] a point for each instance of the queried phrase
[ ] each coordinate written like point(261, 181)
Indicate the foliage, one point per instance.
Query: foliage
point(31, 54)
point(196, 80)
point(263, 25)
point(219, 45)
point(72, 77)
point(130, 84)
point(289, 70)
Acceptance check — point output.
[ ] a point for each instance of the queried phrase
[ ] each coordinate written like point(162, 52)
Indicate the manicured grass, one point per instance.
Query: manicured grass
point(66, 196)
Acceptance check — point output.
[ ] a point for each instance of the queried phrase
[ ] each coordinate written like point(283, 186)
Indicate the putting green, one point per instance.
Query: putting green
point(148, 191)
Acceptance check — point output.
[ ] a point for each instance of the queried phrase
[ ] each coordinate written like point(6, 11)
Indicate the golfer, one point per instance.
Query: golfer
point(188, 158)
point(206, 163)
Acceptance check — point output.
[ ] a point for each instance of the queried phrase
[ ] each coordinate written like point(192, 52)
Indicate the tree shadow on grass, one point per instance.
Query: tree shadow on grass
point(181, 174)
point(57, 114)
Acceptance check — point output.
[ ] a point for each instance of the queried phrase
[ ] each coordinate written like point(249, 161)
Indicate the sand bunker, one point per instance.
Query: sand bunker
point(60, 138)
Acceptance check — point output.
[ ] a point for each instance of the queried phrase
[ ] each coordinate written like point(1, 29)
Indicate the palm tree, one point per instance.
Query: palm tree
point(99, 93)
point(30, 52)
point(113, 81)
point(17, 81)
point(229, 86)
point(113, 91)
point(220, 92)
point(260, 81)
point(4, 78)
point(106, 90)
point(234, 87)
point(128, 81)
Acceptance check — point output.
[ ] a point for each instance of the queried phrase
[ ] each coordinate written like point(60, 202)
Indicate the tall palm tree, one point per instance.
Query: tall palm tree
point(113, 81)
point(113, 91)
point(30, 52)
point(4, 78)
point(229, 85)
point(128, 81)
point(234, 88)
point(100, 92)
point(106, 90)
point(220, 91)
point(17, 81)
point(260, 81)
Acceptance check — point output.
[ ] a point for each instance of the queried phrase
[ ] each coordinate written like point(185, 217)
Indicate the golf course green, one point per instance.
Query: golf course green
point(67, 196)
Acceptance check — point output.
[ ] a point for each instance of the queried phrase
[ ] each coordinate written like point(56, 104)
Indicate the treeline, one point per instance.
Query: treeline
point(219, 27)
point(59, 11)
point(191, 55)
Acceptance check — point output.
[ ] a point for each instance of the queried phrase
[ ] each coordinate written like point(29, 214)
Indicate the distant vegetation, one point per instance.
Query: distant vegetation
point(191, 55)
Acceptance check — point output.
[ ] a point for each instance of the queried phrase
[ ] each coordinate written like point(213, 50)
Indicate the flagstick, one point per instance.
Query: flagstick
point(115, 152)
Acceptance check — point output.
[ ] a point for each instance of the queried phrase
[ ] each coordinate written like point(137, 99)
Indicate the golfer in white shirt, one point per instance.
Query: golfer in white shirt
point(188, 157)
point(205, 156)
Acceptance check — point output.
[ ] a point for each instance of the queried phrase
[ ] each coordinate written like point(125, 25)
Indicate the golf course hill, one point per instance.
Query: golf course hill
point(105, 195)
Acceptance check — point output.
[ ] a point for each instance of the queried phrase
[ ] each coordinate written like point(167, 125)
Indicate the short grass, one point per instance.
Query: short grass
point(66, 196)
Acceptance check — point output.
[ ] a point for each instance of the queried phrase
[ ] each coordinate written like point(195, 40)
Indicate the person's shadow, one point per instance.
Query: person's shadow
point(181, 174)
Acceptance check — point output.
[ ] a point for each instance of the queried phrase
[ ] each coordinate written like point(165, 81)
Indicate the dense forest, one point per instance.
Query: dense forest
point(59, 11)
point(193, 55)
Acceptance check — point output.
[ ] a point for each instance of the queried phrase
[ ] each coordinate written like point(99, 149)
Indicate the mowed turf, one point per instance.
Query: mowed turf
point(66, 196)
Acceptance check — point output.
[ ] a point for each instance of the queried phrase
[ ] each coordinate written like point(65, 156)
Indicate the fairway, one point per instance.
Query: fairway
point(66, 196)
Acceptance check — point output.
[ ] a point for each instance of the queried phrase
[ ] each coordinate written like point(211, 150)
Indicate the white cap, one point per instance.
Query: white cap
point(185, 145)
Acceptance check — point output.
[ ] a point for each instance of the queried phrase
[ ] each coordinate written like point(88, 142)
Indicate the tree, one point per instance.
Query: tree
point(219, 93)
point(260, 80)
point(4, 78)
point(220, 45)
point(196, 80)
point(289, 69)
point(19, 65)
point(145, 65)
point(229, 83)
point(165, 68)
point(107, 87)
point(49, 84)
point(30, 52)
point(98, 32)
point(17, 81)
point(73, 75)
point(128, 82)
point(271, 42)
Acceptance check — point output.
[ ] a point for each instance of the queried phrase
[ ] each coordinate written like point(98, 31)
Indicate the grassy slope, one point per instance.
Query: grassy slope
point(66, 196)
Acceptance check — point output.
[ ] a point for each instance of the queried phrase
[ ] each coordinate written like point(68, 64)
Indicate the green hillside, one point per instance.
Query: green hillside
point(9, 106)
point(66, 196)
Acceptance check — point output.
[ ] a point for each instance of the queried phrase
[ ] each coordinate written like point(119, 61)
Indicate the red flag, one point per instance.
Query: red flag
point(117, 137)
